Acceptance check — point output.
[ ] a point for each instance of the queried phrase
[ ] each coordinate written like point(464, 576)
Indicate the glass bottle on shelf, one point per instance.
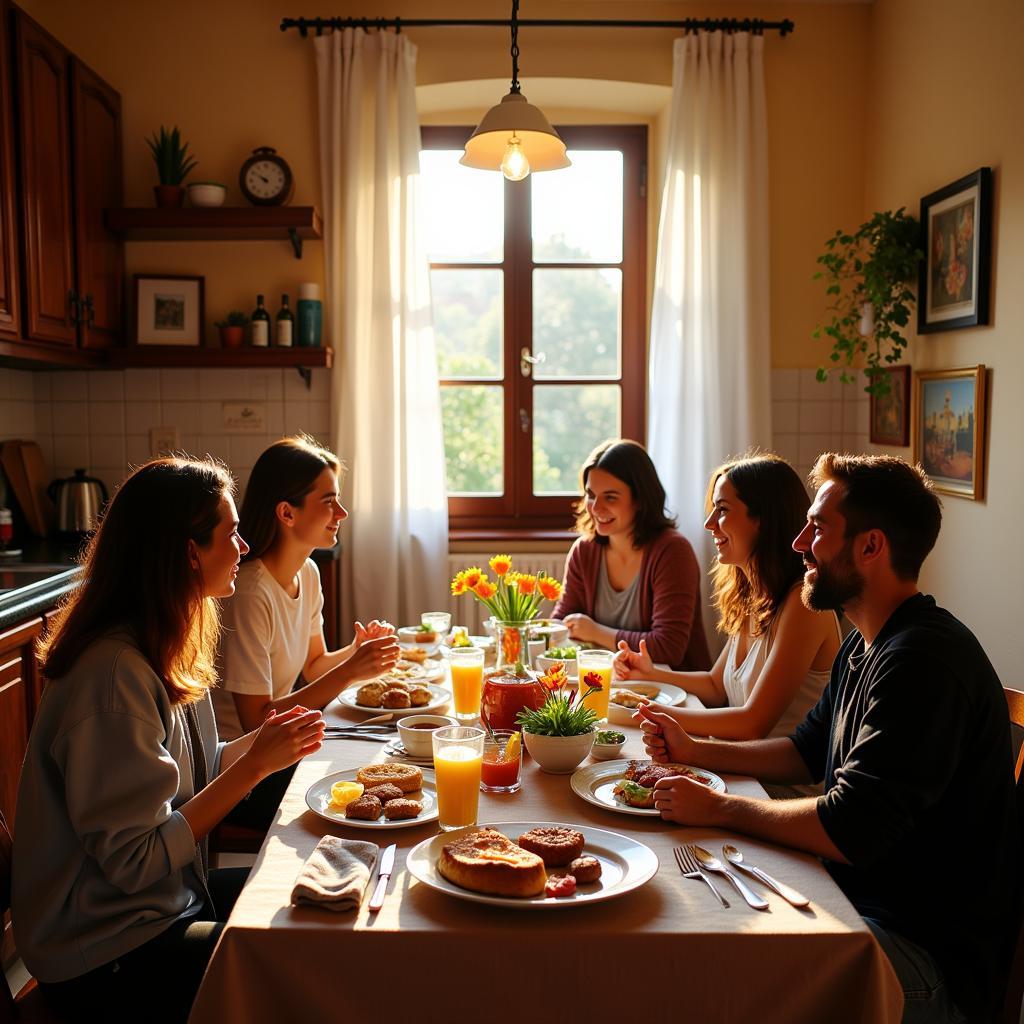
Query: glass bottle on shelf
point(285, 325)
point(259, 335)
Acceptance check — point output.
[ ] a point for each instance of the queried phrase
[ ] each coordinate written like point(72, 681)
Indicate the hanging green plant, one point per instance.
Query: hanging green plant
point(868, 276)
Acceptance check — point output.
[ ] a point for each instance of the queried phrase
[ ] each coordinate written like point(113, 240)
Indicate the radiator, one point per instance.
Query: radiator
point(468, 611)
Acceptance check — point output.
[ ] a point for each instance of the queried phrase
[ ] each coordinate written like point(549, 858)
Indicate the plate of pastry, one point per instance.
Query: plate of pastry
point(628, 786)
point(376, 796)
point(532, 864)
point(395, 696)
point(628, 693)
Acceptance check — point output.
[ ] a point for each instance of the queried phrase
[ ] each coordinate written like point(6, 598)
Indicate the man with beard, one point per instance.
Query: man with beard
point(911, 737)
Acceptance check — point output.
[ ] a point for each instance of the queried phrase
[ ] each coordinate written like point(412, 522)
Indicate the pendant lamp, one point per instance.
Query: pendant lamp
point(514, 136)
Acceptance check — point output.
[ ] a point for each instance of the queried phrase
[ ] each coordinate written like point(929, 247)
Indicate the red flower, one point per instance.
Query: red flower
point(594, 680)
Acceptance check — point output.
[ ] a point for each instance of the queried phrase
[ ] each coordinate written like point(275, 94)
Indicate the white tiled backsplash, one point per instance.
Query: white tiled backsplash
point(101, 419)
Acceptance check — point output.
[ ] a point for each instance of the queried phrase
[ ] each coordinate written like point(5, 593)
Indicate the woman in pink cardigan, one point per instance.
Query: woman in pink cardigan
point(631, 575)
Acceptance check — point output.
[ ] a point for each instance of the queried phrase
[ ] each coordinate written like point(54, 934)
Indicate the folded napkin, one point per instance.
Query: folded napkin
point(335, 874)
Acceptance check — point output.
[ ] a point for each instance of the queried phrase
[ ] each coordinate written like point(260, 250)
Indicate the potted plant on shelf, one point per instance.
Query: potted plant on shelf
point(868, 275)
point(232, 329)
point(560, 733)
point(173, 165)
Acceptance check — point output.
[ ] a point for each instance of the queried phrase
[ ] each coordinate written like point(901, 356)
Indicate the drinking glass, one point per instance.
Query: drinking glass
point(596, 663)
point(439, 622)
point(503, 762)
point(458, 755)
point(467, 668)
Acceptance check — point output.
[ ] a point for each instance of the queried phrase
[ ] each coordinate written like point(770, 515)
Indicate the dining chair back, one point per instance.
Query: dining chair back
point(1014, 996)
point(27, 1006)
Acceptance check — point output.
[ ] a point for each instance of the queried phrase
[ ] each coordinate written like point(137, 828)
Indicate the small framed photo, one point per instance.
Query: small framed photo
point(949, 429)
point(956, 222)
point(890, 414)
point(168, 310)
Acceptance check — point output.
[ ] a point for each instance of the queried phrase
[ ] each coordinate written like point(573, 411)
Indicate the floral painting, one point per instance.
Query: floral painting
point(890, 413)
point(950, 429)
point(957, 222)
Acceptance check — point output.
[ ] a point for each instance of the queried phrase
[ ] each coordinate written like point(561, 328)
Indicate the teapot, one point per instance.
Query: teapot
point(79, 499)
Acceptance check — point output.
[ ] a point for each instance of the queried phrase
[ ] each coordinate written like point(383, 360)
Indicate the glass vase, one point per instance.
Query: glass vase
point(511, 686)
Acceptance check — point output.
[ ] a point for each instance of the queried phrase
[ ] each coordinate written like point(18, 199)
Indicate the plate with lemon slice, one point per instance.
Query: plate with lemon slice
point(329, 796)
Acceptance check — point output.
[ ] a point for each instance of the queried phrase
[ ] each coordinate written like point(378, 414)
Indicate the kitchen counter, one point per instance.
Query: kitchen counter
point(36, 581)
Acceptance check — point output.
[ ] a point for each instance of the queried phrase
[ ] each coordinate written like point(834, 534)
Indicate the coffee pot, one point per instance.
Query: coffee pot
point(79, 499)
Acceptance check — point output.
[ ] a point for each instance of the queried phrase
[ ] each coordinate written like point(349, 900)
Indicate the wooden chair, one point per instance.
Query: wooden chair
point(228, 838)
point(1011, 1012)
point(28, 1005)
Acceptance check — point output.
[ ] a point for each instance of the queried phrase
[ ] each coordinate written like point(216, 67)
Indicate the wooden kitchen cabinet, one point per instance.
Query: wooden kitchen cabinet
point(68, 142)
point(19, 685)
point(10, 321)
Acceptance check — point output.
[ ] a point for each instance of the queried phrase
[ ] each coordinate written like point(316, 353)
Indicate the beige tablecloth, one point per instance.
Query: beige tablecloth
point(664, 952)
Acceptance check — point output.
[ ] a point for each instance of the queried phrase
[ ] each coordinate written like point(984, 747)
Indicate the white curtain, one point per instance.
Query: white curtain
point(710, 352)
point(385, 401)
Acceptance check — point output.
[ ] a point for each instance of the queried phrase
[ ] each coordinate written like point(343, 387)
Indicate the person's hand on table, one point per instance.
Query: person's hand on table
point(664, 738)
point(629, 664)
point(580, 626)
point(284, 739)
point(372, 656)
point(372, 631)
point(687, 802)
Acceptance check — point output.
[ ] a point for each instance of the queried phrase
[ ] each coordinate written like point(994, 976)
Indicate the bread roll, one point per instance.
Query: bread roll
point(489, 862)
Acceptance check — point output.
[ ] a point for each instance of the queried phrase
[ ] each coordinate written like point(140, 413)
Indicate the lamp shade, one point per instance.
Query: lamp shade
point(515, 116)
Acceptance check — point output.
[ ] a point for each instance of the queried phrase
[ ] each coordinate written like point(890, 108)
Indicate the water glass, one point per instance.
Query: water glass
point(458, 755)
point(439, 622)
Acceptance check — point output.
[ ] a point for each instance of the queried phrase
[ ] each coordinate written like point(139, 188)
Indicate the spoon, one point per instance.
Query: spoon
point(789, 895)
point(712, 863)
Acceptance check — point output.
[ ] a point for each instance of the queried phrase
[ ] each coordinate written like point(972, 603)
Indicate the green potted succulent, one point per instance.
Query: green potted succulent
point(560, 733)
point(868, 275)
point(173, 165)
point(232, 329)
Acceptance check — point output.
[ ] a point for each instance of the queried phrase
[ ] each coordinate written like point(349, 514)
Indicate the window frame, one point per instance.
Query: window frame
point(518, 509)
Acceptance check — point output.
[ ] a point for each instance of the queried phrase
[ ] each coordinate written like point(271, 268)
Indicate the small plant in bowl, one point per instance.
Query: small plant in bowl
point(559, 734)
point(232, 329)
point(173, 165)
point(554, 656)
point(607, 745)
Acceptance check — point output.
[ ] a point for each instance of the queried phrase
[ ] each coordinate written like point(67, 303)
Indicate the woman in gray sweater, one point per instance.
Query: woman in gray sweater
point(114, 909)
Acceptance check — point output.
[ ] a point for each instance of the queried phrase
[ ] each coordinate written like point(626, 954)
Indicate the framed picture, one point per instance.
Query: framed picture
point(949, 429)
point(956, 222)
point(168, 310)
point(890, 414)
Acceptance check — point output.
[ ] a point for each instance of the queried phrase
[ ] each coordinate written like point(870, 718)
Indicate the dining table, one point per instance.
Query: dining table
point(663, 951)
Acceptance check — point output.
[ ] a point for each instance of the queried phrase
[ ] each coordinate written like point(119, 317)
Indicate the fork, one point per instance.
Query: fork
point(687, 861)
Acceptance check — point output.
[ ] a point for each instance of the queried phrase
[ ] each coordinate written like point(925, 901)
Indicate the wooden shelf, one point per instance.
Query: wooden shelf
point(217, 224)
point(171, 356)
point(31, 355)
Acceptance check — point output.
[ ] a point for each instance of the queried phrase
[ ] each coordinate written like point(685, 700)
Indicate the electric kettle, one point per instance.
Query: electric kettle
point(79, 499)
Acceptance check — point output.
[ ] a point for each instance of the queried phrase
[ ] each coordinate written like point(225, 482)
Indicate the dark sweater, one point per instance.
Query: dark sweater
point(912, 739)
point(669, 588)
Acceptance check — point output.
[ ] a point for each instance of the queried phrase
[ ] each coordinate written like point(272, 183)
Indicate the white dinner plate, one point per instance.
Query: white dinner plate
point(433, 667)
point(596, 782)
point(668, 696)
point(318, 800)
point(439, 699)
point(625, 865)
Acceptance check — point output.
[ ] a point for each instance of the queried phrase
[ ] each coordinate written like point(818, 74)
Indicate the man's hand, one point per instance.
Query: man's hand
point(629, 664)
point(664, 738)
point(687, 802)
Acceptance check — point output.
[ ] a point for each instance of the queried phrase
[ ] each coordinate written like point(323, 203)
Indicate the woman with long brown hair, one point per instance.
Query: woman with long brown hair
point(631, 577)
point(778, 655)
point(274, 625)
point(115, 910)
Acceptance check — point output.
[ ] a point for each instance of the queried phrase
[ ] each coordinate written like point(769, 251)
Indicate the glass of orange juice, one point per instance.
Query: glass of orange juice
point(597, 665)
point(467, 668)
point(458, 755)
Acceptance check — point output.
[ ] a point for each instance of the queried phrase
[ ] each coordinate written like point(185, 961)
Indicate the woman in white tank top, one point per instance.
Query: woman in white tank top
point(779, 653)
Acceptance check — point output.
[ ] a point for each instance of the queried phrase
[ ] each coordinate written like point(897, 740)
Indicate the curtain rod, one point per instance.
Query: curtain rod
point(755, 25)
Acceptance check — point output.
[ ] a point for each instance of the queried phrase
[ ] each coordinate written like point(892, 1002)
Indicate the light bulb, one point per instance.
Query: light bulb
point(514, 164)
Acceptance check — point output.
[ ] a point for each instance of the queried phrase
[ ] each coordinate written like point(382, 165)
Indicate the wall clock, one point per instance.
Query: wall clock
point(265, 178)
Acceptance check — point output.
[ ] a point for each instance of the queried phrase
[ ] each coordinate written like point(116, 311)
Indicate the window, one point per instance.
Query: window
point(538, 303)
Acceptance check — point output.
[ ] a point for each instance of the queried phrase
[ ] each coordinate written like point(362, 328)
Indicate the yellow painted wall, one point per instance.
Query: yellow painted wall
point(222, 71)
point(945, 93)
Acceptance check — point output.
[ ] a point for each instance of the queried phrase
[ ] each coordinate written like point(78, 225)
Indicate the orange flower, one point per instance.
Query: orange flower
point(485, 589)
point(471, 577)
point(458, 585)
point(550, 588)
point(527, 584)
point(553, 678)
point(501, 564)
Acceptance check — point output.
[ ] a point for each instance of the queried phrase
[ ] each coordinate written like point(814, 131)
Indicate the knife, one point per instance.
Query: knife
point(387, 865)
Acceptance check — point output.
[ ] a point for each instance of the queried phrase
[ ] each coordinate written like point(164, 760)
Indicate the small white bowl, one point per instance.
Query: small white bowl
point(552, 631)
point(419, 742)
point(558, 755)
point(206, 193)
point(412, 634)
point(606, 751)
point(544, 663)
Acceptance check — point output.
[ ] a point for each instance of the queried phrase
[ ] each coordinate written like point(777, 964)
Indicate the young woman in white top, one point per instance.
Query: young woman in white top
point(273, 627)
point(779, 654)
point(115, 911)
